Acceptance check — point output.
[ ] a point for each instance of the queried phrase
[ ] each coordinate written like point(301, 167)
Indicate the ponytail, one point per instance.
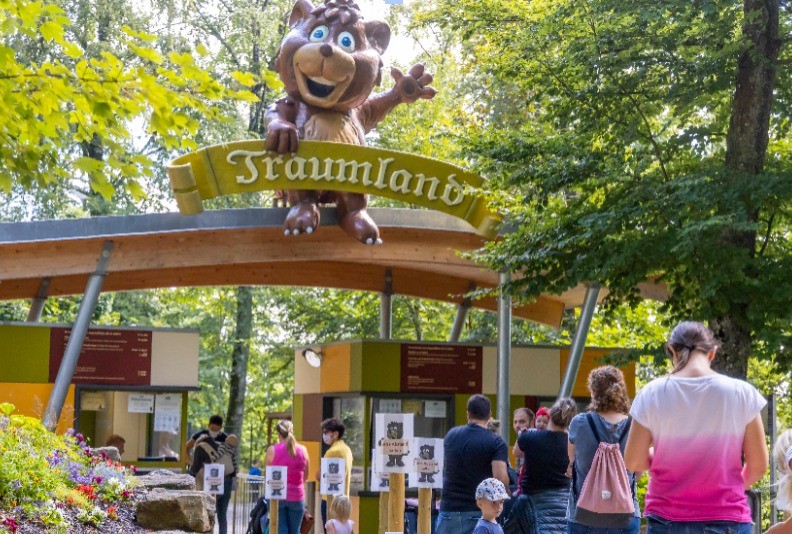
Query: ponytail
point(286, 431)
point(686, 338)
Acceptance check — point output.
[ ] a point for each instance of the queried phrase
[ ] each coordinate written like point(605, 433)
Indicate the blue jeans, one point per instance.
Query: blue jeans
point(290, 516)
point(658, 525)
point(633, 528)
point(221, 501)
point(457, 522)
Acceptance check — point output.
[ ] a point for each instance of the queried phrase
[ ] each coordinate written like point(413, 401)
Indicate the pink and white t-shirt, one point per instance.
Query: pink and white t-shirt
point(698, 426)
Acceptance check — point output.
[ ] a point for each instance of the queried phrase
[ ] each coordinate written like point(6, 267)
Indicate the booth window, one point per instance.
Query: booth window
point(432, 417)
point(148, 421)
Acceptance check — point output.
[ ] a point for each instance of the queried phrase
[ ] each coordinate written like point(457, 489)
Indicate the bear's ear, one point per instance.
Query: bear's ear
point(301, 11)
point(378, 34)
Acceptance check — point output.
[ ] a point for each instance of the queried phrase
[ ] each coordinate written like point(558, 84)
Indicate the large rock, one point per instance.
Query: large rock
point(162, 509)
point(162, 478)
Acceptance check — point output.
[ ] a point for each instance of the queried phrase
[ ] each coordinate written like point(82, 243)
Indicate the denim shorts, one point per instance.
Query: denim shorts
point(658, 525)
point(457, 522)
point(633, 528)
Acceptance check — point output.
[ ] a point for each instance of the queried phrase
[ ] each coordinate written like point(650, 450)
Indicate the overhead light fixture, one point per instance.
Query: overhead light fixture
point(313, 357)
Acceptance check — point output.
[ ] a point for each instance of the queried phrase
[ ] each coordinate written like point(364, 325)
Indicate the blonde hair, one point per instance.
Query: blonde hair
point(782, 444)
point(341, 508)
point(493, 425)
point(285, 430)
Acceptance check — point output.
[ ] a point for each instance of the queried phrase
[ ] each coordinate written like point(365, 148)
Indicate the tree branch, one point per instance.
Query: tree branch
point(217, 35)
point(767, 235)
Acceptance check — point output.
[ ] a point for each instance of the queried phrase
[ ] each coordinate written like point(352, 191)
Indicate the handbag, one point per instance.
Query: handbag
point(306, 527)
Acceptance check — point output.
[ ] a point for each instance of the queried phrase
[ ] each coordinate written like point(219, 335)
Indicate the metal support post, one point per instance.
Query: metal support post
point(461, 315)
point(504, 355)
point(386, 306)
point(37, 303)
point(579, 343)
point(76, 338)
point(772, 431)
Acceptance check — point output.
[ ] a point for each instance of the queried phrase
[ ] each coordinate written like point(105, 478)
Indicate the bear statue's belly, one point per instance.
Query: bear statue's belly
point(333, 126)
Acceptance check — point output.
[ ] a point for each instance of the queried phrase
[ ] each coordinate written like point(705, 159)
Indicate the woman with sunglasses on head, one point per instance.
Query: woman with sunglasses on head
point(690, 430)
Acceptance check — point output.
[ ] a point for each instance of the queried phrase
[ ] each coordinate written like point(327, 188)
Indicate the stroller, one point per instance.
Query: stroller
point(259, 518)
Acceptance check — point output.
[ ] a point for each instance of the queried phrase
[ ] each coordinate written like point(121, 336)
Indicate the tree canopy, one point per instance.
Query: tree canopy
point(641, 141)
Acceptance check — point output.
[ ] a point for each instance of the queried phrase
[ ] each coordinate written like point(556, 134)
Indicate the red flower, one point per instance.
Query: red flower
point(10, 524)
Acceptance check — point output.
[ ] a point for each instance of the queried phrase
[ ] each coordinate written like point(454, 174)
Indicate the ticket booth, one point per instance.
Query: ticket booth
point(131, 382)
point(357, 380)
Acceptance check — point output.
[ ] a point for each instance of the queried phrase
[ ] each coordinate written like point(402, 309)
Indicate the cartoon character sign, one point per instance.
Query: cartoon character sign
point(276, 482)
point(333, 476)
point(213, 478)
point(428, 462)
point(395, 432)
point(378, 481)
point(329, 62)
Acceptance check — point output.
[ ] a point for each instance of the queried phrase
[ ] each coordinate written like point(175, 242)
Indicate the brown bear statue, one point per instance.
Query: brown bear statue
point(330, 62)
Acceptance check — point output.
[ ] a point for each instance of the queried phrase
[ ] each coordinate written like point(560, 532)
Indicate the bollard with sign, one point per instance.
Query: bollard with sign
point(213, 478)
point(274, 491)
point(394, 433)
point(427, 475)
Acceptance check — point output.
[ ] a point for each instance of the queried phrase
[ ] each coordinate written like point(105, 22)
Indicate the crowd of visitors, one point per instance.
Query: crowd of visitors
point(698, 434)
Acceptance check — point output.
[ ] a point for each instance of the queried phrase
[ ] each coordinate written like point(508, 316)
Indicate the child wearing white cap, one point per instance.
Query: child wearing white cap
point(490, 495)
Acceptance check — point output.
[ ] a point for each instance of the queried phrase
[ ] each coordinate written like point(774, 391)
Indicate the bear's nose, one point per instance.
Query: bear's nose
point(326, 50)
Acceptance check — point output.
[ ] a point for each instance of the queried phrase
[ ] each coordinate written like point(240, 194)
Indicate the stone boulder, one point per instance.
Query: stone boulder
point(163, 509)
point(162, 478)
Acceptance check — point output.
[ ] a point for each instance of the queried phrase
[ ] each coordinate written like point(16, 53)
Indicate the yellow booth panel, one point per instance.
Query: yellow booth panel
point(31, 400)
point(533, 371)
point(336, 368)
point(592, 358)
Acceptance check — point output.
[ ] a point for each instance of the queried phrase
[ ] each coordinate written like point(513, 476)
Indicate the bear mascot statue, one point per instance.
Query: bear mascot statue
point(329, 62)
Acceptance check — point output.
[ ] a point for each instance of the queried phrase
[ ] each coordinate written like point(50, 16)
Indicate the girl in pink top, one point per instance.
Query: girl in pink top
point(689, 431)
point(294, 456)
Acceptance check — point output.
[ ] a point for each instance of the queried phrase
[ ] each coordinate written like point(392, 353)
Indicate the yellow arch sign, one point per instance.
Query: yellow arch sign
point(247, 166)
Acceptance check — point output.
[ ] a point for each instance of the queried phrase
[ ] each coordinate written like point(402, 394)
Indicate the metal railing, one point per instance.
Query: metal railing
point(244, 497)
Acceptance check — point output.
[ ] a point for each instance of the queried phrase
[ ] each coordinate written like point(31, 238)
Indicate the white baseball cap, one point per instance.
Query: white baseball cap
point(491, 489)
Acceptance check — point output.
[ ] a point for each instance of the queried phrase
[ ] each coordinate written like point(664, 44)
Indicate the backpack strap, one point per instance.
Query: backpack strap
point(590, 419)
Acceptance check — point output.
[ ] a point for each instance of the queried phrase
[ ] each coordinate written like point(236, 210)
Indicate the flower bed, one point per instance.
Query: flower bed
point(55, 483)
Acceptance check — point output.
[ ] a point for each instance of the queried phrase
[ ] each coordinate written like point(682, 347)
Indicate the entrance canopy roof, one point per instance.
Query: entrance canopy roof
point(247, 247)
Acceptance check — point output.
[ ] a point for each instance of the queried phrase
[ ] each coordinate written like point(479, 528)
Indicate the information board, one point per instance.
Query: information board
point(108, 357)
point(440, 369)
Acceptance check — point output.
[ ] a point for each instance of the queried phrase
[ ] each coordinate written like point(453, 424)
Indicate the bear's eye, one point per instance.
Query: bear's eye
point(346, 41)
point(319, 33)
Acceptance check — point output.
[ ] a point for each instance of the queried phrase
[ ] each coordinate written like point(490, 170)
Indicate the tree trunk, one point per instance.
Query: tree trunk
point(239, 360)
point(746, 151)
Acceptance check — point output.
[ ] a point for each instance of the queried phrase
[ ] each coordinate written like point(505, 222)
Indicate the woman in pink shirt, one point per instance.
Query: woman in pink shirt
point(690, 430)
point(294, 457)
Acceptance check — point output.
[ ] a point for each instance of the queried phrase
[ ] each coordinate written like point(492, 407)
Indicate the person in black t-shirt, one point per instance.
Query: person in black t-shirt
point(544, 484)
point(472, 454)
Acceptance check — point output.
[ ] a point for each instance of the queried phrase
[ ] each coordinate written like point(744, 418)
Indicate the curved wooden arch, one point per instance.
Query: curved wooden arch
point(247, 247)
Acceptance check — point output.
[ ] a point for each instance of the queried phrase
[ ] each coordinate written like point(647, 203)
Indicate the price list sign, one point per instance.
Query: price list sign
point(440, 369)
point(108, 357)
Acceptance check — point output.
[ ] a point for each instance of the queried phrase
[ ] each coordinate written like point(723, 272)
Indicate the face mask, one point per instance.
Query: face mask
point(214, 433)
point(327, 438)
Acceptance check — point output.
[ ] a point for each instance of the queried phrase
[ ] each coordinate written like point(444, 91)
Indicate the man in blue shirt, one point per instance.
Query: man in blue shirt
point(472, 454)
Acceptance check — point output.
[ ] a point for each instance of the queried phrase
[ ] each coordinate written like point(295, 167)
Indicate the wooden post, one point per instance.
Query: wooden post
point(424, 510)
point(396, 504)
point(384, 501)
point(273, 515)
